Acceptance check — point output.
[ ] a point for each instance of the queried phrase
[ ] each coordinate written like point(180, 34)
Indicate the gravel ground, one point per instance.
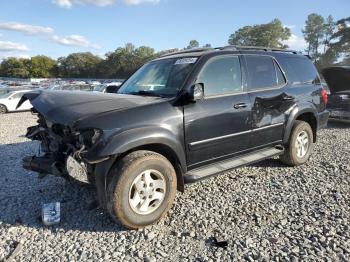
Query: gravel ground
point(265, 211)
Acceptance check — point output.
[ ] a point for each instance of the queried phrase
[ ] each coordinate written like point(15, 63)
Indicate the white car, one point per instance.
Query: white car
point(9, 101)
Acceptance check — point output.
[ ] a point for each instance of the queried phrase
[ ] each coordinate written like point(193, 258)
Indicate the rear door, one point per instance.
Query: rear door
point(218, 126)
point(266, 84)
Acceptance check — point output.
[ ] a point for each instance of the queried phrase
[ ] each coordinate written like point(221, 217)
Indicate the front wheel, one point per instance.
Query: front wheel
point(3, 109)
point(299, 147)
point(142, 189)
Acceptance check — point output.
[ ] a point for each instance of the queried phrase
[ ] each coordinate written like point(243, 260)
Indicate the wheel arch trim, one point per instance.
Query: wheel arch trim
point(294, 115)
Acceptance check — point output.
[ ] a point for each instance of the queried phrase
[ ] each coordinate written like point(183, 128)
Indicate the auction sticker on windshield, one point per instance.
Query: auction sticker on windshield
point(187, 60)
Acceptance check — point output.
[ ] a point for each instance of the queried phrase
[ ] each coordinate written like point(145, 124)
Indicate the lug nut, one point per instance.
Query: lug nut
point(151, 184)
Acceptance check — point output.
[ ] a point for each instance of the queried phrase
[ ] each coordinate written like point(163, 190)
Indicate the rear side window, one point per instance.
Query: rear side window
point(263, 72)
point(300, 70)
point(221, 75)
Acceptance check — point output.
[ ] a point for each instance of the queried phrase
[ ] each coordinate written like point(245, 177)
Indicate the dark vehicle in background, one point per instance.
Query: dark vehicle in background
point(338, 81)
point(108, 88)
point(179, 119)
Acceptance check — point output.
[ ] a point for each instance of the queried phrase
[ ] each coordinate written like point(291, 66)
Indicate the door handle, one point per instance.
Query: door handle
point(240, 105)
point(288, 98)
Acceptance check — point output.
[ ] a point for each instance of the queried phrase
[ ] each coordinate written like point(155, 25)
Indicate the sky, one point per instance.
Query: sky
point(59, 27)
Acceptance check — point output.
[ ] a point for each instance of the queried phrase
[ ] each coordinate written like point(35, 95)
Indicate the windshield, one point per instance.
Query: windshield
point(159, 78)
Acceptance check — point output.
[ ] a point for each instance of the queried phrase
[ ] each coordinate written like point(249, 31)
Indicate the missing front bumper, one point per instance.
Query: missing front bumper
point(49, 166)
point(42, 165)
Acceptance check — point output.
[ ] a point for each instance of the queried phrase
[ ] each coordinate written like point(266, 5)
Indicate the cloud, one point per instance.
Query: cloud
point(7, 46)
point(26, 29)
point(137, 2)
point(296, 42)
point(48, 33)
point(74, 40)
point(11, 54)
point(289, 26)
point(70, 3)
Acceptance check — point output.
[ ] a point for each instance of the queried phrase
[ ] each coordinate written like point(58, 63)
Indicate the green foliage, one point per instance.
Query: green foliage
point(342, 37)
point(125, 60)
point(326, 59)
point(193, 44)
point(335, 38)
point(270, 35)
point(314, 33)
point(78, 65)
point(42, 67)
point(15, 67)
point(329, 29)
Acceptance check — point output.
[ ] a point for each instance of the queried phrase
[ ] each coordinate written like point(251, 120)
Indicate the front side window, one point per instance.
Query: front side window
point(221, 75)
point(159, 78)
point(262, 73)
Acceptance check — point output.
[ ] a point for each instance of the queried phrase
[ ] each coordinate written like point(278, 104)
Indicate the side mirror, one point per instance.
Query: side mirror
point(197, 92)
point(112, 89)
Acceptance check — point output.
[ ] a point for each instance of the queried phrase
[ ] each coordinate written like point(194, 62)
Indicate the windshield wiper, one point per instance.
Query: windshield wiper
point(146, 93)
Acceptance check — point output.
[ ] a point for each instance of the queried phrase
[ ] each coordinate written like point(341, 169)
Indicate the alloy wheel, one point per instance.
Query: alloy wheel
point(302, 144)
point(147, 192)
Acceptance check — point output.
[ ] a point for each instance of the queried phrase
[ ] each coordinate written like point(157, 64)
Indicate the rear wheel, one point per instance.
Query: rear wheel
point(142, 189)
point(299, 147)
point(3, 109)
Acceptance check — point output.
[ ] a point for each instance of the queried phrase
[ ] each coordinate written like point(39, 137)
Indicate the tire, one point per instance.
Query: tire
point(3, 109)
point(138, 177)
point(292, 155)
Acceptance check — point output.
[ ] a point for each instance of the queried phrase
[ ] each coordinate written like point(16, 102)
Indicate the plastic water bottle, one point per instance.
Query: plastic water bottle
point(51, 213)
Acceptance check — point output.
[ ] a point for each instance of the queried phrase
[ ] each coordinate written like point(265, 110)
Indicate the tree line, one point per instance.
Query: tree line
point(328, 43)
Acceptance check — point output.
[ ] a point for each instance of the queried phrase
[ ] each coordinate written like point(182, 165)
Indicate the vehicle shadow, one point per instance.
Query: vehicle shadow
point(271, 162)
point(23, 193)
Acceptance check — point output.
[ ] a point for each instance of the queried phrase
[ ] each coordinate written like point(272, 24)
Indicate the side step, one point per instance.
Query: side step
point(216, 168)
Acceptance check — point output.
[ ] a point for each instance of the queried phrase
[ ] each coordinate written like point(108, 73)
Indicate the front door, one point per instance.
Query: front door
point(218, 126)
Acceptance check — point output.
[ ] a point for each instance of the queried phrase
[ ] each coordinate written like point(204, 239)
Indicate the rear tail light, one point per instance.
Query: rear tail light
point(324, 96)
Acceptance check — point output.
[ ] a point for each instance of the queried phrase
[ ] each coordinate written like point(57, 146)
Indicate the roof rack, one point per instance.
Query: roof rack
point(232, 48)
point(260, 48)
point(194, 50)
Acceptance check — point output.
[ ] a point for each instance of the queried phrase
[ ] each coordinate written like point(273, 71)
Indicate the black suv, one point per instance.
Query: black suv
point(179, 119)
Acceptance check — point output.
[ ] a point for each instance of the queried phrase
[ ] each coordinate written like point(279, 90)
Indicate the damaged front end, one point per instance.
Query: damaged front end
point(62, 150)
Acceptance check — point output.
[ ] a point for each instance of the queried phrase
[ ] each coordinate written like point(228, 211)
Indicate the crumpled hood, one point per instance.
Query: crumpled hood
point(337, 78)
point(68, 107)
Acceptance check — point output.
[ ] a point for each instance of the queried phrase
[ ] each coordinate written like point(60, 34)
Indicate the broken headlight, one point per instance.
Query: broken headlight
point(89, 137)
